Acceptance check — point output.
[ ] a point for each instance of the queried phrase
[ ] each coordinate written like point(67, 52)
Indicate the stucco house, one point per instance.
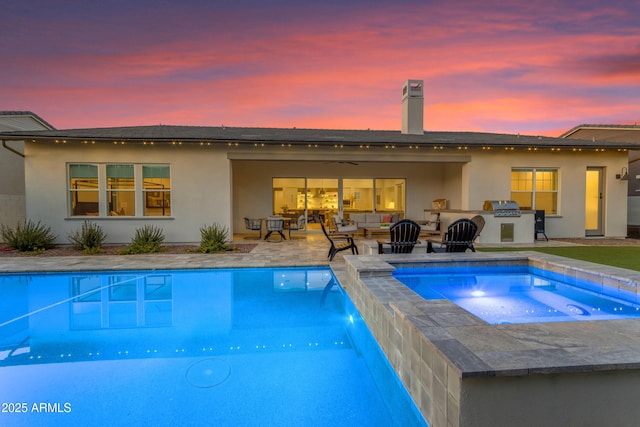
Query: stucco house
point(12, 190)
point(612, 134)
point(180, 178)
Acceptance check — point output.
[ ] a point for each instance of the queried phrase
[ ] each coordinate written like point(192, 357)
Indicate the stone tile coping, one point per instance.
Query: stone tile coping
point(478, 349)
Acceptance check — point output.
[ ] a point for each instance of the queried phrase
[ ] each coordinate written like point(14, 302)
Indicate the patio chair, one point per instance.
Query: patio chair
point(458, 238)
point(275, 223)
point(403, 237)
point(298, 225)
point(335, 248)
point(253, 224)
point(431, 225)
point(342, 226)
point(479, 222)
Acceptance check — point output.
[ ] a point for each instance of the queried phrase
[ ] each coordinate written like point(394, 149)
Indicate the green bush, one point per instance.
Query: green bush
point(28, 236)
point(213, 238)
point(88, 239)
point(147, 240)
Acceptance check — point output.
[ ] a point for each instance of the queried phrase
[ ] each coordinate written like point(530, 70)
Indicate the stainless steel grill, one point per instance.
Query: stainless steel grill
point(507, 208)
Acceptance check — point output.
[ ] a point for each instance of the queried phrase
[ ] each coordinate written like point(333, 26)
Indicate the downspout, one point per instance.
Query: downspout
point(4, 144)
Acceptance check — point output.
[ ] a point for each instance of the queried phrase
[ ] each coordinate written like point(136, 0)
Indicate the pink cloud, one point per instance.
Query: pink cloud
point(486, 65)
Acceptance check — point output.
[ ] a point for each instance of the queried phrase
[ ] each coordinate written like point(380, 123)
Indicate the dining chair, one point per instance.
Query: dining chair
point(299, 225)
point(275, 224)
point(253, 224)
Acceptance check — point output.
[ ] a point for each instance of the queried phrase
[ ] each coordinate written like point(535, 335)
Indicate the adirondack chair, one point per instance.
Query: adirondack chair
point(458, 238)
point(479, 222)
point(335, 248)
point(403, 237)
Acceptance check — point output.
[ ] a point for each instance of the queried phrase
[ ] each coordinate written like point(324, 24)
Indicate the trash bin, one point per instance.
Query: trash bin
point(539, 225)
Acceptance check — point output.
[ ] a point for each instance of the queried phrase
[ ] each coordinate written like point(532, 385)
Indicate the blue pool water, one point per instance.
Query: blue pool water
point(234, 347)
point(521, 294)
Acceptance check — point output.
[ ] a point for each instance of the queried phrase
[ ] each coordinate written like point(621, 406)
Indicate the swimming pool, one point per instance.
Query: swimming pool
point(521, 294)
point(198, 347)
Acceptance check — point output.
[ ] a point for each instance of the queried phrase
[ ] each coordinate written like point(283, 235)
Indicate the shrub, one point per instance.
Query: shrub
point(28, 236)
point(88, 239)
point(147, 240)
point(213, 238)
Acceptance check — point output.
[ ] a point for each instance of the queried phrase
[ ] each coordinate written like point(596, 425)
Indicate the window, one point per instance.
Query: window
point(83, 190)
point(119, 190)
point(535, 189)
point(121, 194)
point(156, 185)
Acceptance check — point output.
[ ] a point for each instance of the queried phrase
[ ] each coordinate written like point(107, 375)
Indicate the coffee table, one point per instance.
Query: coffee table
point(376, 231)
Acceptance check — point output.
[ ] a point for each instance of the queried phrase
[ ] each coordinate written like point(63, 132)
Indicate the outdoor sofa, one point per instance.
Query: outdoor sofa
point(373, 220)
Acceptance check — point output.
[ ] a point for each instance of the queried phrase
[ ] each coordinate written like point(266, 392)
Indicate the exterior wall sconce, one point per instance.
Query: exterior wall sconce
point(623, 175)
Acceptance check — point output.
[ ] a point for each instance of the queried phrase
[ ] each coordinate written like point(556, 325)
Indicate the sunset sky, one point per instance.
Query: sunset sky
point(530, 67)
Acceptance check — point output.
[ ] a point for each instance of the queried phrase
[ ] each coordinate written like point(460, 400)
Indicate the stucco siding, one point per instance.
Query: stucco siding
point(12, 210)
point(490, 180)
point(214, 184)
point(12, 184)
point(12, 167)
point(201, 190)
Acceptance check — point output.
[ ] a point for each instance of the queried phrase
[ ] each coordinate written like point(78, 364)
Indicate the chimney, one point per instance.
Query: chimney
point(413, 107)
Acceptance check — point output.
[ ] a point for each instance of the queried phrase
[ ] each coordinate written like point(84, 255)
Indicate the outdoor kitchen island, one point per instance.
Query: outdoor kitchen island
point(504, 222)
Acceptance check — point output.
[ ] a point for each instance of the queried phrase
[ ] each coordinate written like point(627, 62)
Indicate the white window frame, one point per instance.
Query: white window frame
point(102, 190)
point(534, 190)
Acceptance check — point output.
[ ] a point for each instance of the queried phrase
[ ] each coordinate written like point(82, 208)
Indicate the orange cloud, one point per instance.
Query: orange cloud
point(488, 66)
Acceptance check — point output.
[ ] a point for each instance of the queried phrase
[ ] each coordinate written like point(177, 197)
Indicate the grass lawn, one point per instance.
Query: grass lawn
point(617, 256)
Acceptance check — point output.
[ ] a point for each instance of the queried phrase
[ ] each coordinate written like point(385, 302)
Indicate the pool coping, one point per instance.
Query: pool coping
point(478, 349)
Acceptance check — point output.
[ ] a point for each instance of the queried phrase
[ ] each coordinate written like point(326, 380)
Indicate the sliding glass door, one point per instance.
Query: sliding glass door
point(289, 196)
point(320, 198)
point(390, 195)
point(357, 195)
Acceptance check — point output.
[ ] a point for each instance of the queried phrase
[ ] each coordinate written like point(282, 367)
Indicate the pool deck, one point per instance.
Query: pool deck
point(443, 354)
point(295, 252)
point(301, 250)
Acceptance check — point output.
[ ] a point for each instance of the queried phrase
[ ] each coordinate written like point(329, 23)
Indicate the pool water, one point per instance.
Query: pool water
point(239, 347)
point(521, 294)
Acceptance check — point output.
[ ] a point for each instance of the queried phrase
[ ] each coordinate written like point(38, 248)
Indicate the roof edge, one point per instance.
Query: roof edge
point(33, 115)
point(598, 127)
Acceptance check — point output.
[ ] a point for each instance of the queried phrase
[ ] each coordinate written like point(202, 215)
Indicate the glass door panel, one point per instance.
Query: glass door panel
point(322, 199)
point(593, 202)
point(289, 197)
point(357, 196)
point(390, 195)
